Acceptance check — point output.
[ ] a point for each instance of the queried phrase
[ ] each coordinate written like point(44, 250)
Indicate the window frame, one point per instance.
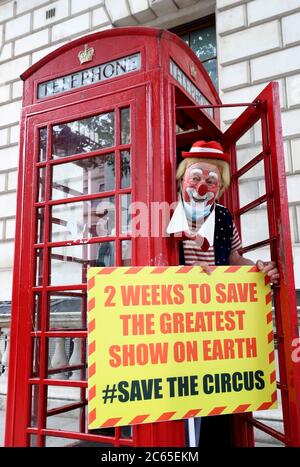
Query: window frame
point(195, 25)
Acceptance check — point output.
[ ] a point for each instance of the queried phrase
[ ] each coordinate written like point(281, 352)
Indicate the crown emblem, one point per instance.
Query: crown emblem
point(193, 71)
point(86, 55)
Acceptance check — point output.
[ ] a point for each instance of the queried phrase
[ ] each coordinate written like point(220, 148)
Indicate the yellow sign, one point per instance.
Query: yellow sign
point(167, 343)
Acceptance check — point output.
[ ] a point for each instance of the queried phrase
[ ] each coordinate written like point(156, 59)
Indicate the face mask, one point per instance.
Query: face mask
point(195, 214)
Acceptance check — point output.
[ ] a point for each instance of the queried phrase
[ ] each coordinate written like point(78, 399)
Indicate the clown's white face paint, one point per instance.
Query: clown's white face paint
point(200, 187)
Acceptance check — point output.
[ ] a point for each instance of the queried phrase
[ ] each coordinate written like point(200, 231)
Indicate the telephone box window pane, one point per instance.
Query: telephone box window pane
point(59, 442)
point(126, 432)
point(83, 177)
point(39, 268)
point(34, 405)
point(33, 441)
point(249, 145)
point(255, 225)
point(125, 169)
point(40, 225)
point(59, 353)
point(37, 312)
point(84, 219)
point(251, 185)
point(42, 144)
point(126, 252)
point(65, 352)
point(67, 308)
point(125, 213)
point(105, 254)
point(36, 349)
point(125, 126)
point(86, 135)
point(69, 263)
point(41, 184)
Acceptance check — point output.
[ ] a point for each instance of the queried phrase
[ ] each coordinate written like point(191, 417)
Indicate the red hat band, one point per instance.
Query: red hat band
point(207, 150)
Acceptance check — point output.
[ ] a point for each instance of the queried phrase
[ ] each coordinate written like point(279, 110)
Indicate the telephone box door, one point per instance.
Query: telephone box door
point(257, 198)
point(258, 201)
point(77, 216)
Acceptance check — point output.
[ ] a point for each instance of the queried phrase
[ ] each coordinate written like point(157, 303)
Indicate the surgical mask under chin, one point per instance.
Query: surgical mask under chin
point(195, 212)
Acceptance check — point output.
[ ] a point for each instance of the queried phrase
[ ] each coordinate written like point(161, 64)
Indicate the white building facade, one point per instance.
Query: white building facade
point(256, 41)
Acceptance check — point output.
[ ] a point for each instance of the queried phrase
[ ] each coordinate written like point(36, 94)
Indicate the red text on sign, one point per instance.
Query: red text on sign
point(202, 321)
point(154, 294)
point(223, 349)
point(137, 325)
point(140, 354)
point(236, 293)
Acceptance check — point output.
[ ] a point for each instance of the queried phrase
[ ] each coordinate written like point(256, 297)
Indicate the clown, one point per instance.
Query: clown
point(209, 235)
point(209, 238)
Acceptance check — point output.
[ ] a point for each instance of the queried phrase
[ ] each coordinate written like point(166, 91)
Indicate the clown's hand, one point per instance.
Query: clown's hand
point(269, 268)
point(205, 266)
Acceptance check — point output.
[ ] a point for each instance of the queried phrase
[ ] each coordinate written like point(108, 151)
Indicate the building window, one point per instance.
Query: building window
point(200, 36)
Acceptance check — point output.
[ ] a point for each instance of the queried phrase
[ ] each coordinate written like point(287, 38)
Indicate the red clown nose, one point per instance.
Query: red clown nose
point(202, 189)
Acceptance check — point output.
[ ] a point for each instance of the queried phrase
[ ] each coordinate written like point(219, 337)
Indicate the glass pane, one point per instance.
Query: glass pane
point(255, 225)
point(40, 225)
point(54, 392)
point(271, 418)
point(84, 219)
point(185, 39)
point(58, 398)
point(69, 263)
point(42, 144)
point(125, 169)
point(211, 68)
point(203, 43)
point(88, 134)
point(125, 213)
point(126, 432)
point(63, 353)
point(252, 185)
point(52, 441)
point(125, 126)
point(37, 312)
point(34, 405)
point(33, 441)
point(84, 176)
point(41, 184)
point(36, 343)
point(126, 253)
point(249, 145)
point(39, 267)
point(72, 423)
point(105, 254)
point(67, 309)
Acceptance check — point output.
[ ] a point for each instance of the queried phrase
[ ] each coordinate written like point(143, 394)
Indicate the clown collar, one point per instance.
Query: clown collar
point(179, 223)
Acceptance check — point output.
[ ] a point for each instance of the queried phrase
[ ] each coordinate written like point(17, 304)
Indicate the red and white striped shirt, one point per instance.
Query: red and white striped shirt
point(193, 253)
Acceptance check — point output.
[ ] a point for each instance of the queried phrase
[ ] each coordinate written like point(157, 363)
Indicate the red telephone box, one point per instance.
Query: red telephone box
point(103, 117)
